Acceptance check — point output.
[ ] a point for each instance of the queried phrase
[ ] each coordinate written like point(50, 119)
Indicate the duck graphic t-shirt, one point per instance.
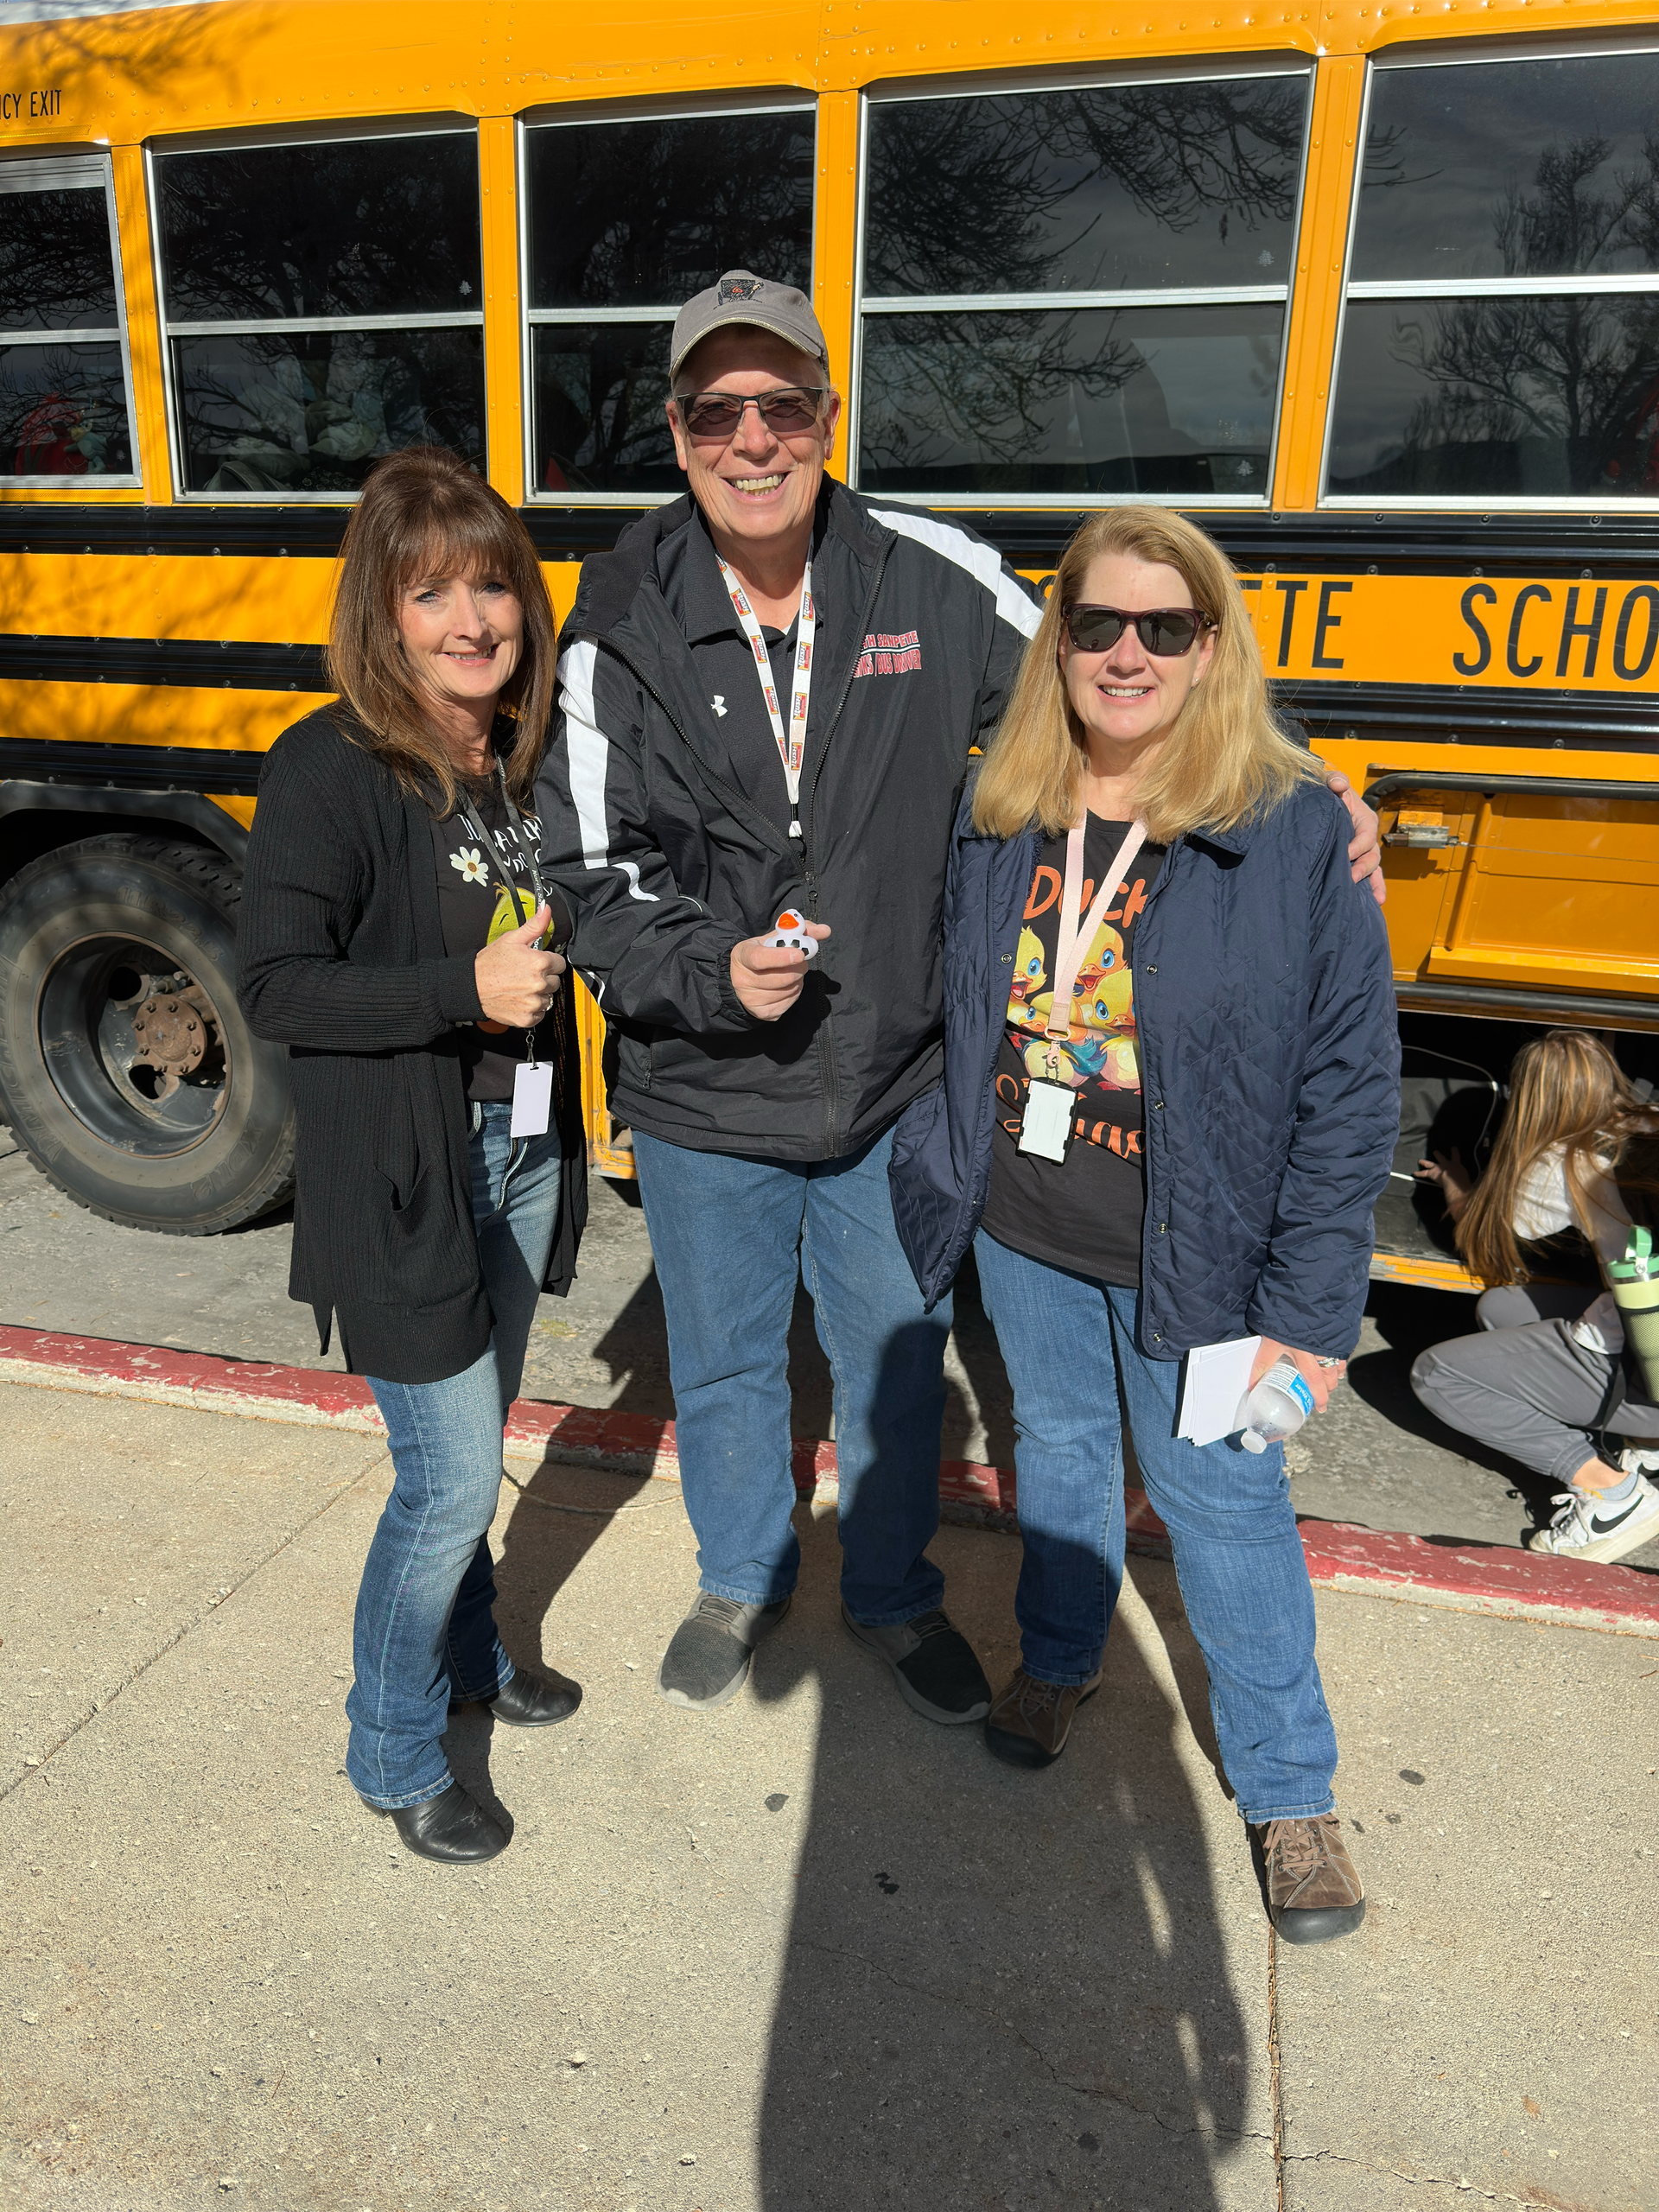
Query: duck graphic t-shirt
point(1084, 1212)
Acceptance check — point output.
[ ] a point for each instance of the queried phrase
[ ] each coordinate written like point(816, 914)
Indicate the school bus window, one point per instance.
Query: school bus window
point(64, 408)
point(323, 307)
point(1078, 291)
point(1500, 337)
point(625, 220)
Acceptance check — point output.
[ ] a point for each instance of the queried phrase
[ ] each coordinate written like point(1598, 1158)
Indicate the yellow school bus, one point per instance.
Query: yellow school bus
point(1374, 297)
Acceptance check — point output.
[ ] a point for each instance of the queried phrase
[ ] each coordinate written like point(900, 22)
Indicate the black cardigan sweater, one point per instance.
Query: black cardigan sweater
point(341, 958)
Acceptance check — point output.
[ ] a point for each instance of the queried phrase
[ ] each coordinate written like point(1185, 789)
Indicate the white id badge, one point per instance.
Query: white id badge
point(532, 1098)
point(1046, 1122)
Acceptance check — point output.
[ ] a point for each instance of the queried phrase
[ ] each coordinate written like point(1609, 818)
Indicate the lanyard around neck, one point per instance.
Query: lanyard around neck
point(1072, 939)
point(527, 845)
point(791, 745)
point(521, 837)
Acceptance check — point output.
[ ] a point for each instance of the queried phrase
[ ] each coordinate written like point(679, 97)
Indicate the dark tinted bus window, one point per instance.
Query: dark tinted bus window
point(1514, 169)
point(63, 379)
point(644, 214)
point(598, 390)
point(1457, 381)
point(56, 268)
point(313, 411)
point(363, 226)
point(1173, 400)
point(1114, 196)
point(1117, 189)
point(639, 215)
point(1546, 396)
point(63, 411)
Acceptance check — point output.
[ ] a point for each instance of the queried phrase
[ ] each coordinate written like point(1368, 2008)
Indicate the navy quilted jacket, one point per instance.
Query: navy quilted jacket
point(1270, 1066)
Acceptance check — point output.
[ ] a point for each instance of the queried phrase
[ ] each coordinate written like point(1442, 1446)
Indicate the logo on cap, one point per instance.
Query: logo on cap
point(738, 288)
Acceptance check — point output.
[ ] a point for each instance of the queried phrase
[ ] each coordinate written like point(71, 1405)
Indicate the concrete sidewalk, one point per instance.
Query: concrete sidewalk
point(806, 1953)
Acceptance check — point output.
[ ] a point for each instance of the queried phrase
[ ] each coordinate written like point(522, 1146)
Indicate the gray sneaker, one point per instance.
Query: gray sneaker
point(707, 1663)
point(933, 1664)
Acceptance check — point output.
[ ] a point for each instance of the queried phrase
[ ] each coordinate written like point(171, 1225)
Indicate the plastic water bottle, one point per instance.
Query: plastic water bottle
point(1276, 1408)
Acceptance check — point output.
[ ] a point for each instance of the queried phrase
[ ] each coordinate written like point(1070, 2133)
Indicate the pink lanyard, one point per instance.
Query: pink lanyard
point(790, 748)
point(1072, 940)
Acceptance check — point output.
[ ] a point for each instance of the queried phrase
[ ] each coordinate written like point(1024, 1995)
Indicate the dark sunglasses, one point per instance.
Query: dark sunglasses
point(1168, 631)
point(717, 413)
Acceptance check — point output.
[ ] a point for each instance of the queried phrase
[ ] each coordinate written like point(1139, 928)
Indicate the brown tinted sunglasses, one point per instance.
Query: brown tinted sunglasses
point(717, 413)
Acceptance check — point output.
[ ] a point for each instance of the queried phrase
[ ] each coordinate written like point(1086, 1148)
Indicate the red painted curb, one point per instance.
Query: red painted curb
point(1488, 1578)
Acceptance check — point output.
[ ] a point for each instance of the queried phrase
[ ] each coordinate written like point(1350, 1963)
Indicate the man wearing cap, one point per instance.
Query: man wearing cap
point(769, 691)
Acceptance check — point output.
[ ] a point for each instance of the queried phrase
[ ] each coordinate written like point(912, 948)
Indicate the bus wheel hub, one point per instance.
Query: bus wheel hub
point(172, 1030)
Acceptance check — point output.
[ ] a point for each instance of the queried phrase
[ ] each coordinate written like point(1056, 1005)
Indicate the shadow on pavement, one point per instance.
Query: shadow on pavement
point(979, 1354)
point(1409, 1319)
point(1001, 1988)
point(635, 1349)
point(562, 1513)
point(998, 1988)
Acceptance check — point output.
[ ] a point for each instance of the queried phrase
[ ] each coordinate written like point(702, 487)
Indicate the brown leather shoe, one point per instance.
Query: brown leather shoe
point(1314, 1886)
point(1029, 1723)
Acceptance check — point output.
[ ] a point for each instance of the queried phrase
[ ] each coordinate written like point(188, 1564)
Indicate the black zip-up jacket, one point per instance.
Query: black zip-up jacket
point(341, 957)
point(666, 862)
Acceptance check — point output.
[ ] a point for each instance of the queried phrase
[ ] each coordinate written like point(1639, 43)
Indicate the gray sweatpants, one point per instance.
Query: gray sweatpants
point(1524, 1384)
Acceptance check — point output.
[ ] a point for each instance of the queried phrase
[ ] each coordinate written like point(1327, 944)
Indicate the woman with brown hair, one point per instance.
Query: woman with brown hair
point(1573, 1164)
point(395, 935)
point(1170, 1101)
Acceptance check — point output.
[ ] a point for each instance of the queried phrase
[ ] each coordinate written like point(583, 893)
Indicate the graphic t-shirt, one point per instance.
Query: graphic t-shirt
point(476, 907)
point(1084, 1212)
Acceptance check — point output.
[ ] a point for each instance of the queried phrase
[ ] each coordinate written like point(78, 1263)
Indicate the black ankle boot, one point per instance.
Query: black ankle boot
point(530, 1700)
point(453, 1828)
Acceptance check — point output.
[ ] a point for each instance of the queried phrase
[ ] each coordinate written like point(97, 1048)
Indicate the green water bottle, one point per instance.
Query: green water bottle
point(1634, 1281)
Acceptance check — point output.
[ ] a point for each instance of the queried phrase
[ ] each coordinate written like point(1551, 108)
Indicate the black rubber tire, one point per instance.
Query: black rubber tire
point(181, 901)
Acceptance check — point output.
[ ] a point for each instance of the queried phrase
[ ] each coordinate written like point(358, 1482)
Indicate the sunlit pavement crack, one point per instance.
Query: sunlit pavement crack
point(1463, 2188)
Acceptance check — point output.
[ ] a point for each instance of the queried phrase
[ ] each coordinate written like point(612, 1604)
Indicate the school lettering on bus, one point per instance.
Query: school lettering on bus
point(1577, 638)
point(1546, 633)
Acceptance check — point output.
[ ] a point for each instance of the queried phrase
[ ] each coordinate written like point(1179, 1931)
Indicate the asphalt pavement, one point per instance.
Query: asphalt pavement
point(1376, 1458)
point(806, 1954)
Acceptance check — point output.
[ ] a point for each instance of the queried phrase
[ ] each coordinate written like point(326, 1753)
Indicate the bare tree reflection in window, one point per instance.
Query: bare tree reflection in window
point(988, 384)
point(599, 389)
point(1147, 400)
point(644, 214)
point(1556, 393)
point(377, 226)
point(56, 272)
point(312, 411)
point(63, 411)
point(1176, 183)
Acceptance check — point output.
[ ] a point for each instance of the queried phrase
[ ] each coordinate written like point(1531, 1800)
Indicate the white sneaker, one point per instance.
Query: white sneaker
point(1589, 1528)
point(1639, 1459)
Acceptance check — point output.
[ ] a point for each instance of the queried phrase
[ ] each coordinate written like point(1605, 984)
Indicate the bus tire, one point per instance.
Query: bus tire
point(127, 1072)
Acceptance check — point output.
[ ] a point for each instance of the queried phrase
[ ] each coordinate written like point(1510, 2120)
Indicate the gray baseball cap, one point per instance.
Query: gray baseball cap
point(741, 297)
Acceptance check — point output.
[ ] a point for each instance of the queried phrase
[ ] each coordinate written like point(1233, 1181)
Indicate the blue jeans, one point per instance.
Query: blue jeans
point(425, 1629)
point(731, 1236)
point(1069, 1343)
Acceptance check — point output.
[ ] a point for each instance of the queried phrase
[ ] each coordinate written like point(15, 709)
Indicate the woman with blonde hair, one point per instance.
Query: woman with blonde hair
point(1169, 1103)
point(1575, 1162)
point(396, 936)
